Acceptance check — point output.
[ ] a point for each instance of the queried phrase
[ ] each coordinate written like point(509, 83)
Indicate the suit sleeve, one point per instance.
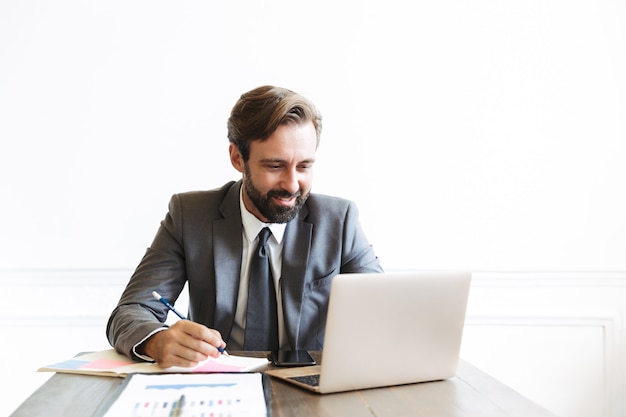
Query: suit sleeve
point(358, 254)
point(162, 269)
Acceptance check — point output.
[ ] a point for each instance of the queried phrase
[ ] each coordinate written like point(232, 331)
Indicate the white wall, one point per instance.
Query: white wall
point(483, 135)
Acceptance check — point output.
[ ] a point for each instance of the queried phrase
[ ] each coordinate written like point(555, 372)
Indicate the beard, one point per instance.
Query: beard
point(268, 208)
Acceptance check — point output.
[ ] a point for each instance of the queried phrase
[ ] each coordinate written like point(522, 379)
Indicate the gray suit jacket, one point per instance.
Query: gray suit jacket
point(200, 242)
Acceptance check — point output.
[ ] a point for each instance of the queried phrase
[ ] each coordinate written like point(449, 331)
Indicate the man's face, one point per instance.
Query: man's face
point(278, 175)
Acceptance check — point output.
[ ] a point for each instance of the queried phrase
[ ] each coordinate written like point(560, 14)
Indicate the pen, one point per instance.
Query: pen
point(167, 303)
point(171, 307)
point(177, 407)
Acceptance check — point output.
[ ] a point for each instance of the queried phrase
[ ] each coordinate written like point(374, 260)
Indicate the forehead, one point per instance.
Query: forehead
point(289, 142)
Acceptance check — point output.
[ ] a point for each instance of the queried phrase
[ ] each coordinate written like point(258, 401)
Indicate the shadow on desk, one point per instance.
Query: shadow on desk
point(471, 393)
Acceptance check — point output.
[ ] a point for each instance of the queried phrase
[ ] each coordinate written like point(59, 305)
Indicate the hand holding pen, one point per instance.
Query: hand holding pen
point(184, 343)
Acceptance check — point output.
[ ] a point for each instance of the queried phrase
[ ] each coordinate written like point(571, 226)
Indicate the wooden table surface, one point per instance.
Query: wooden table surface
point(471, 393)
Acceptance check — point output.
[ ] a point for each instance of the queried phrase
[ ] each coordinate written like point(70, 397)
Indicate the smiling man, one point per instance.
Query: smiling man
point(282, 167)
point(258, 254)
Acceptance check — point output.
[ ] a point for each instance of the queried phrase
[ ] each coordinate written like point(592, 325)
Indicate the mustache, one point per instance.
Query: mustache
point(284, 194)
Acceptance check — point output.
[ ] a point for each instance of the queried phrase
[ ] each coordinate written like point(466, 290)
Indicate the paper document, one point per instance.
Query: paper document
point(187, 395)
point(110, 363)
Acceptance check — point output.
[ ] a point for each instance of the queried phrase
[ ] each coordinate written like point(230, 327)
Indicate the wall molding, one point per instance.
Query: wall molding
point(515, 300)
point(498, 279)
point(525, 279)
point(567, 301)
point(64, 277)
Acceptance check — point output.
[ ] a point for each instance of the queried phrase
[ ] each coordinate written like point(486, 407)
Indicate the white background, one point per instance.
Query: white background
point(479, 135)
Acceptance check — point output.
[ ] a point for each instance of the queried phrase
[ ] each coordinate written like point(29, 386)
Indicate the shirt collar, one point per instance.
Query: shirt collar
point(252, 226)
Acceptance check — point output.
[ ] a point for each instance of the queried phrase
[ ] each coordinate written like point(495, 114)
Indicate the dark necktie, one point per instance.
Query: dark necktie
point(261, 317)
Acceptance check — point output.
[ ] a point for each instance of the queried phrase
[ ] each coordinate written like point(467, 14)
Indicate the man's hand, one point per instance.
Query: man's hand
point(185, 344)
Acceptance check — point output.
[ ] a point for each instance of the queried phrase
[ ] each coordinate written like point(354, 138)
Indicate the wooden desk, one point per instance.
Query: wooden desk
point(472, 393)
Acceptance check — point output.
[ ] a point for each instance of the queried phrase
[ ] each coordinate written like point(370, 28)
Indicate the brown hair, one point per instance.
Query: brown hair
point(259, 112)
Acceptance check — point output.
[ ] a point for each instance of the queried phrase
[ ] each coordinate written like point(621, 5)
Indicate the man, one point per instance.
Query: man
point(208, 239)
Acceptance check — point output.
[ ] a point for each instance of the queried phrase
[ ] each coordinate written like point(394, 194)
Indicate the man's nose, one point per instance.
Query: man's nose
point(290, 181)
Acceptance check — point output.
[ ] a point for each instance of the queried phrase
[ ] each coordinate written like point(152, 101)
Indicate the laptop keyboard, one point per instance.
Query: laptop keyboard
point(312, 380)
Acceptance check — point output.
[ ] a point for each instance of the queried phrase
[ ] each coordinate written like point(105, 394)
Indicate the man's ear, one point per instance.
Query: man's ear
point(236, 159)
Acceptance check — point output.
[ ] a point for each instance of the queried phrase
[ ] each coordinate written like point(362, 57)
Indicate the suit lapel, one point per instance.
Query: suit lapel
point(296, 248)
point(227, 243)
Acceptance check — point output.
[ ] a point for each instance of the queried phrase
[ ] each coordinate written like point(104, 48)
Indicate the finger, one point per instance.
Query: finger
point(212, 338)
point(185, 351)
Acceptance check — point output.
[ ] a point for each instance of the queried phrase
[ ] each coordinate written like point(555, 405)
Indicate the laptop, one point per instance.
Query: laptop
point(387, 329)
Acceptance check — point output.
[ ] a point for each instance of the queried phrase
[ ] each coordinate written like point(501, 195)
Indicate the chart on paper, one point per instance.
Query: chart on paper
point(191, 395)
